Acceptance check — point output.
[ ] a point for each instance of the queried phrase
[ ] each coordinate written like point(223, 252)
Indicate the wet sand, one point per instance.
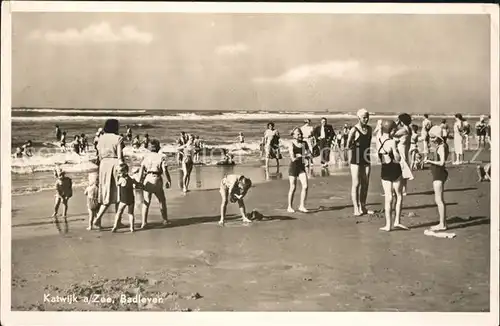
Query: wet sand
point(326, 260)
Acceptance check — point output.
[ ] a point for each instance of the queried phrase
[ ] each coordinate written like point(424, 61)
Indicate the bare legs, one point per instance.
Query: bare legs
point(57, 203)
point(102, 210)
point(303, 195)
point(439, 198)
point(118, 217)
point(360, 175)
point(224, 192)
point(147, 202)
point(92, 216)
point(391, 189)
point(356, 189)
point(365, 182)
point(187, 167)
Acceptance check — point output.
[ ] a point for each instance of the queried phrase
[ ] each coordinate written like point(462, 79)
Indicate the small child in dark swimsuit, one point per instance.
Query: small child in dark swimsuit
point(126, 197)
point(391, 174)
point(64, 191)
point(439, 174)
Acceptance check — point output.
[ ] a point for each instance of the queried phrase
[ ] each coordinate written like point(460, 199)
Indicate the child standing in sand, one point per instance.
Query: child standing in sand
point(234, 187)
point(391, 174)
point(126, 197)
point(64, 191)
point(92, 193)
point(439, 174)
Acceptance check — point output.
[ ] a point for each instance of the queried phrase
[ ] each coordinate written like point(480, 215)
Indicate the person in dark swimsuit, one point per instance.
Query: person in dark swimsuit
point(439, 175)
point(299, 155)
point(126, 199)
point(58, 133)
point(359, 143)
point(391, 174)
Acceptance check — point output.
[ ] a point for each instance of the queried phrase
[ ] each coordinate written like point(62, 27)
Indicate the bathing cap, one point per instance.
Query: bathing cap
point(362, 112)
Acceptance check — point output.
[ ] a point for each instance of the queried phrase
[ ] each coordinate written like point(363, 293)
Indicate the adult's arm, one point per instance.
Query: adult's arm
point(119, 149)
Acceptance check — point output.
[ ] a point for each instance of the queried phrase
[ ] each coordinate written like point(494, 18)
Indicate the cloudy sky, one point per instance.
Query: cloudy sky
point(391, 63)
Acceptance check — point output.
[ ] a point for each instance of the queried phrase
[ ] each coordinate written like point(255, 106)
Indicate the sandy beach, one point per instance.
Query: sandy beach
point(326, 260)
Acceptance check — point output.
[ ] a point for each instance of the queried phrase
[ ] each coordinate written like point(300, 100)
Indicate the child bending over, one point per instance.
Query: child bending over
point(234, 187)
point(64, 191)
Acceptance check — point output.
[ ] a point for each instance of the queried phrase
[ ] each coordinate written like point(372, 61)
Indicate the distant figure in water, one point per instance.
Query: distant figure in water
point(136, 143)
point(84, 144)
point(27, 148)
point(129, 133)
point(228, 158)
point(233, 188)
point(181, 142)
point(241, 138)
point(63, 141)
point(76, 145)
point(197, 149)
point(145, 141)
point(58, 133)
point(64, 191)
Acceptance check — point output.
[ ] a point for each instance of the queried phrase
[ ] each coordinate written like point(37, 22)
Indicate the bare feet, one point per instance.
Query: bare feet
point(221, 223)
point(113, 230)
point(401, 226)
point(439, 227)
point(132, 230)
point(365, 211)
point(290, 210)
point(386, 228)
point(303, 209)
point(356, 213)
point(144, 225)
point(89, 228)
point(166, 222)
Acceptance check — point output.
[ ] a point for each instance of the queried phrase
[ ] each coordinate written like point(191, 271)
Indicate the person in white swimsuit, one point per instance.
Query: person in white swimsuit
point(153, 167)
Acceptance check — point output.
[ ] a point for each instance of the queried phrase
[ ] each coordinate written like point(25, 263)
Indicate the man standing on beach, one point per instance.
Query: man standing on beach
point(426, 126)
point(324, 135)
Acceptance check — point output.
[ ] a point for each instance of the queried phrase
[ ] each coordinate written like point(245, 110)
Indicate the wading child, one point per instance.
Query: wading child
point(64, 191)
point(92, 193)
point(126, 197)
point(439, 174)
point(234, 187)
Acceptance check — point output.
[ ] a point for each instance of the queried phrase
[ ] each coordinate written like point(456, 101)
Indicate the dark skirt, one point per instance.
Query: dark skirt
point(439, 173)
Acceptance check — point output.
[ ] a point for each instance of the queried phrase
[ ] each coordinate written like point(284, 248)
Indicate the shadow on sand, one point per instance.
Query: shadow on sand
point(431, 192)
point(337, 208)
point(49, 221)
point(210, 219)
point(458, 223)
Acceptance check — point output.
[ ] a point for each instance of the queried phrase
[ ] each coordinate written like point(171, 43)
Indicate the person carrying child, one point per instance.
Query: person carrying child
point(92, 193)
point(233, 188)
point(126, 198)
point(64, 191)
